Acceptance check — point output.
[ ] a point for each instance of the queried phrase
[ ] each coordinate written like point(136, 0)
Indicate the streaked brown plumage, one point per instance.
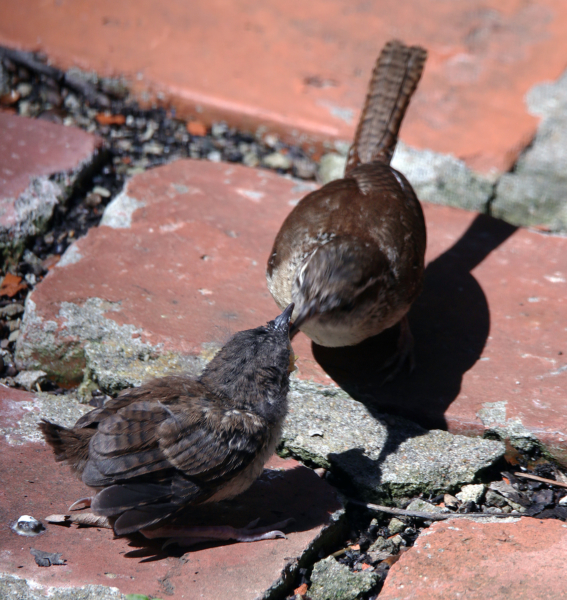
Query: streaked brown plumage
point(176, 442)
point(351, 255)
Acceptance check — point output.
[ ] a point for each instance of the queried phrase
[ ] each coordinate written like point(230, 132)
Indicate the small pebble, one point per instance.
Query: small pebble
point(250, 159)
point(13, 325)
point(93, 199)
point(271, 140)
point(30, 379)
point(396, 526)
point(331, 167)
point(214, 156)
point(451, 502)
point(101, 191)
point(153, 148)
point(277, 161)
point(24, 89)
point(27, 526)
point(11, 310)
point(219, 129)
point(471, 493)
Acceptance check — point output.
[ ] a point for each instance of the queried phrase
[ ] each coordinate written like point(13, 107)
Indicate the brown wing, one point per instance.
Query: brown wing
point(164, 389)
point(156, 457)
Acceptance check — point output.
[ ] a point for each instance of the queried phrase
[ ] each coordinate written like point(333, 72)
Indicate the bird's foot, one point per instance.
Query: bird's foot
point(188, 536)
point(403, 353)
point(81, 503)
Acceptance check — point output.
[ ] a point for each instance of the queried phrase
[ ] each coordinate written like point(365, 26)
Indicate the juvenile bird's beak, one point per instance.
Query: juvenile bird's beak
point(282, 322)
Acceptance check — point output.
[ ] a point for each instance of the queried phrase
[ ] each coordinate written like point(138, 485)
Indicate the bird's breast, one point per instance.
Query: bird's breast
point(248, 476)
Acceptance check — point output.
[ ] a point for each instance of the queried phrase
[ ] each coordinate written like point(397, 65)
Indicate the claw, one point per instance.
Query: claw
point(188, 536)
point(81, 503)
point(403, 354)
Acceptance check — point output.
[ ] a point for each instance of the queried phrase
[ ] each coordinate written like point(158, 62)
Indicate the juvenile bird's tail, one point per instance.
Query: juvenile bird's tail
point(394, 80)
point(70, 445)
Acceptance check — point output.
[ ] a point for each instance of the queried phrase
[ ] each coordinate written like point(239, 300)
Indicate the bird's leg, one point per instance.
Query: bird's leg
point(81, 503)
point(188, 536)
point(403, 353)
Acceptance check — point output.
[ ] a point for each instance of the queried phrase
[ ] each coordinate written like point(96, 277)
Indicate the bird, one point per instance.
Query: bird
point(350, 255)
point(177, 442)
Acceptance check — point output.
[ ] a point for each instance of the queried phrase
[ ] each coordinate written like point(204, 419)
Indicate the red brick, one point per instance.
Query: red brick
point(464, 559)
point(32, 147)
point(303, 67)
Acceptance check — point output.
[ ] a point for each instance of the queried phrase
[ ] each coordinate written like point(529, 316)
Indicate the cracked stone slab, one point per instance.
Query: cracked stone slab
point(436, 178)
point(40, 161)
point(380, 456)
point(524, 559)
point(162, 294)
point(534, 194)
point(33, 484)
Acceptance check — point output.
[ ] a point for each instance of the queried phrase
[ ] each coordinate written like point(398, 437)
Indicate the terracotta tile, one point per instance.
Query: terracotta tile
point(461, 558)
point(302, 68)
point(33, 484)
point(190, 270)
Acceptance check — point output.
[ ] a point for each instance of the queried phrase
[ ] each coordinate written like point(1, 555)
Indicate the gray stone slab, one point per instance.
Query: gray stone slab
point(380, 456)
point(535, 193)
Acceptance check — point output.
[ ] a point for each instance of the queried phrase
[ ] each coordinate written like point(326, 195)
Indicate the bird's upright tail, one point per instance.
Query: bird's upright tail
point(394, 80)
point(69, 445)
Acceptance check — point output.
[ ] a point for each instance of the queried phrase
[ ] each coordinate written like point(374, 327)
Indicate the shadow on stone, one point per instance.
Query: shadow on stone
point(450, 323)
point(277, 495)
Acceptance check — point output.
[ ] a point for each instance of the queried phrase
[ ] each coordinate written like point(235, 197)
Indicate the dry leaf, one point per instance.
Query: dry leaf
point(47, 559)
point(196, 128)
point(364, 566)
point(10, 98)
point(106, 119)
point(51, 261)
point(11, 285)
point(301, 590)
point(56, 519)
point(392, 559)
point(86, 519)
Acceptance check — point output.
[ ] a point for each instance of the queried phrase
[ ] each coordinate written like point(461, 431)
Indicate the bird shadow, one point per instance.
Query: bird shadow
point(277, 495)
point(450, 323)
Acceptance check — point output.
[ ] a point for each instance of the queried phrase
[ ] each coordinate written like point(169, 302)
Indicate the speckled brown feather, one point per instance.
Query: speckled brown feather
point(394, 80)
point(351, 255)
point(178, 441)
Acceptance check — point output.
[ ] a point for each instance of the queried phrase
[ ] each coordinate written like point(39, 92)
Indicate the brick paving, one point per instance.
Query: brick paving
point(185, 266)
point(304, 69)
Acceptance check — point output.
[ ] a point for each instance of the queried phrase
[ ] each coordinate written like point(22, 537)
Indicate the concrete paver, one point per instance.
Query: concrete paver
point(461, 558)
point(33, 484)
point(303, 68)
point(184, 266)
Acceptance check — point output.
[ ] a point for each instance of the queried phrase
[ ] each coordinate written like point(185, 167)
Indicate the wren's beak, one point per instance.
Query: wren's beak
point(282, 322)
